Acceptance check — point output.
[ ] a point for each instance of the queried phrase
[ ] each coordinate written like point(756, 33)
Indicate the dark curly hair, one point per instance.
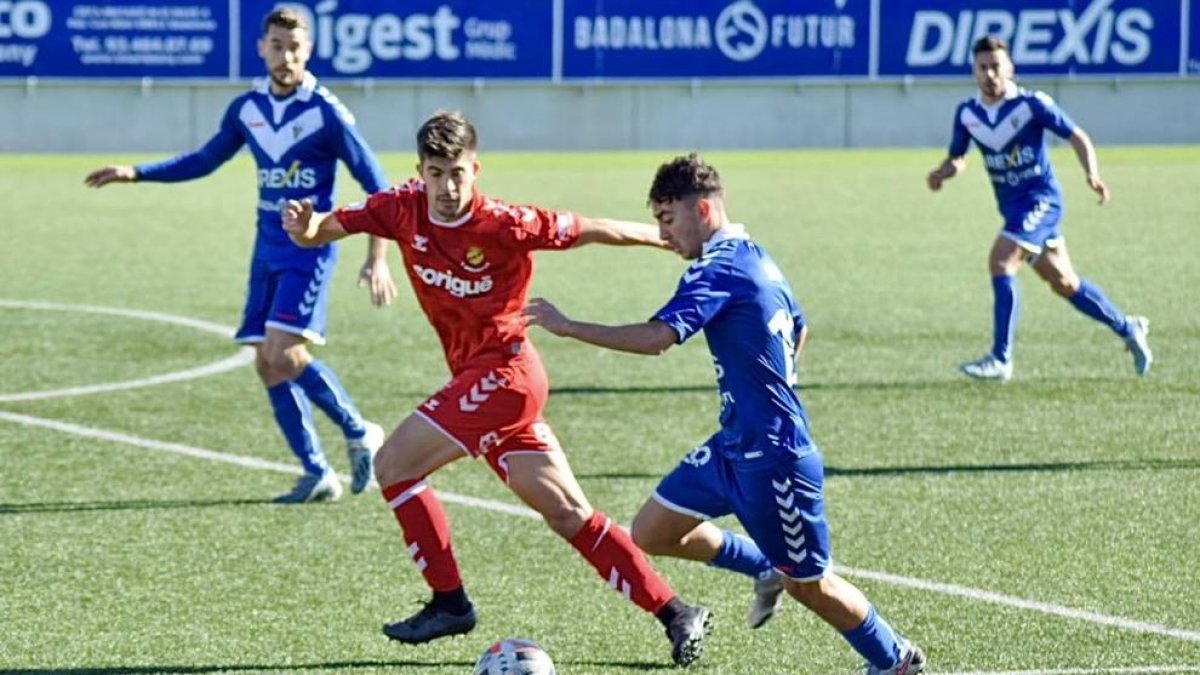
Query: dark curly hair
point(685, 177)
point(286, 18)
point(446, 134)
point(989, 43)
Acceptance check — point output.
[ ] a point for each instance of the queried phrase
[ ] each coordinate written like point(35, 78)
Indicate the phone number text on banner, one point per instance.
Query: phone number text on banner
point(114, 38)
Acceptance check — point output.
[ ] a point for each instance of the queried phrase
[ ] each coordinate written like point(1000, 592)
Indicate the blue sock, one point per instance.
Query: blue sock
point(1092, 301)
point(875, 641)
point(323, 388)
point(1007, 304)
point(741, 555)
point(294, 415)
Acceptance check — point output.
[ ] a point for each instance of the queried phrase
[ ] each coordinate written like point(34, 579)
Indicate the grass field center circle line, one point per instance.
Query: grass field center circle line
point(243, 357)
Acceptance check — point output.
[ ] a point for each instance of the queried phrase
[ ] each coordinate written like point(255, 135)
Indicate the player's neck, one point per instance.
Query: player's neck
point(279, 91)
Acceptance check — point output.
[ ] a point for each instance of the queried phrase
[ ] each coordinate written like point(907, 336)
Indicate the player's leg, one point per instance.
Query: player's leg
point(783, 509)
point(299, 308)
point(1004, 261)
point(537, 471)
point(417, 448)
point(1054, 266)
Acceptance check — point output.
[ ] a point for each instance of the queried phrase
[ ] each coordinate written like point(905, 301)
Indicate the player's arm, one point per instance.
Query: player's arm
point(218, 150)
point(949, 168)
point(310, 230)
point(651, 338)
point(617, 233)
point(1085, 151)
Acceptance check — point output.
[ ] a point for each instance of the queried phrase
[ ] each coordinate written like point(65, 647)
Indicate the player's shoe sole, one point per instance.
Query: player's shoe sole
point(687, 633)
point(361, 453)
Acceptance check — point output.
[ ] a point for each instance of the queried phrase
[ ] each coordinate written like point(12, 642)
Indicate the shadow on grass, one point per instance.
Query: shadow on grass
point(233, 668)
point(122, 505)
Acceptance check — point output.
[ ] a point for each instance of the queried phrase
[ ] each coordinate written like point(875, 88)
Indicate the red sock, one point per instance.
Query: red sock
point(612, 552)
point(426, 531)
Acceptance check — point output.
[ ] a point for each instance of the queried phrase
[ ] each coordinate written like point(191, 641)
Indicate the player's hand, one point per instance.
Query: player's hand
point(297, 216)
point(376, 276)
point(540, 312)
point(934, 180)
point(111, 174)
point(1099, 188)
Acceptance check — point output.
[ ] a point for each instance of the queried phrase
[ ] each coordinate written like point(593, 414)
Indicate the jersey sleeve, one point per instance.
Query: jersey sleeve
point(533, 228)
point(1050, 116)
point(960, 138)
point(703, 291)
point(383, 214)
point(353, 150)
point(218, 150)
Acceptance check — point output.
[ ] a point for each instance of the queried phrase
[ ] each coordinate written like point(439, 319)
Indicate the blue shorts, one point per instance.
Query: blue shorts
point(290, 295)
point(1034, 228)
point(780, 503)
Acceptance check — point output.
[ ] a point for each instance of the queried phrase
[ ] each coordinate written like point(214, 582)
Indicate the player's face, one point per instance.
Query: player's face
point(449, 184)
point(285, 51)
point(681, 226)
point(993, 70)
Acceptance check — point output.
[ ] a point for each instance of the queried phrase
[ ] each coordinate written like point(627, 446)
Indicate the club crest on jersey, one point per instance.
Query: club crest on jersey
point(456, 286)
point(475, 261)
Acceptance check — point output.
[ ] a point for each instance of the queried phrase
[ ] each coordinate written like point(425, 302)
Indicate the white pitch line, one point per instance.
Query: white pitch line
point(910, 582)
point(1021, 603)
point(242, 358)
point(227, 458)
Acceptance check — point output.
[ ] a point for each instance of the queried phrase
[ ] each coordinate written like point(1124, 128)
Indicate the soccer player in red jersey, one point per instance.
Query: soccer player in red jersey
point(469, 258)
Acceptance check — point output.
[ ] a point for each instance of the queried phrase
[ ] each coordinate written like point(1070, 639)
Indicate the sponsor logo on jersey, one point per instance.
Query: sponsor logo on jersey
point(454, 285)
point(1017, 157)
point(740, 31)
point(475, 261)
point(353, 41)
point(294, 176)
point(1096, 35)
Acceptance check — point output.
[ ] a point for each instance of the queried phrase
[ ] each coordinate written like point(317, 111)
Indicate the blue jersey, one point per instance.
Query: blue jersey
point(296, 142)
point(1011, 136)
point(738, 295)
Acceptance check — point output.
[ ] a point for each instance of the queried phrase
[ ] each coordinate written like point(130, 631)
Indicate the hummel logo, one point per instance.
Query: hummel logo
point(420, 243)
point(296, 131)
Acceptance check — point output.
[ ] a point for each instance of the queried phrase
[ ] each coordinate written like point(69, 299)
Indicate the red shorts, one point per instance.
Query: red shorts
point(495, 411)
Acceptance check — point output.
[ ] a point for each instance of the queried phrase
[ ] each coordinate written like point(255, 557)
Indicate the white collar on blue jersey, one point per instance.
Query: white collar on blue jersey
point(730, 231)
point(304, 92)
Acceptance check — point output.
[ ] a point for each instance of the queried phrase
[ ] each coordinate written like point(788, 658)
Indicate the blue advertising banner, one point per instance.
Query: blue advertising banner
point(933, 37)
point(416, 38)
point(114, 38)
point(715, 38)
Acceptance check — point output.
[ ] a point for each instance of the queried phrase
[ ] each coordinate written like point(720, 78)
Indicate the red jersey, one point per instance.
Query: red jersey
point(470, 276)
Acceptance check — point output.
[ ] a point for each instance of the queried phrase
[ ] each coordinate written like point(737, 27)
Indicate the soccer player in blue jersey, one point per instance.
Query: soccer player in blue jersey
point(761, 466)
point(1008, 124)
point(297, 131)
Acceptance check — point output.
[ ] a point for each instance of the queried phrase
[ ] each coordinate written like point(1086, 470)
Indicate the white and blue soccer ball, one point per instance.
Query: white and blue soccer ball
point(514, 656)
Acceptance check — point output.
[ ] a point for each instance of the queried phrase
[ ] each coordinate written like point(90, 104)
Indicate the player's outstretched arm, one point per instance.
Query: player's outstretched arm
point(949, 168)
point(651, 338)
point(618, 233)
point(114, 173)
point(1085, 151)
point(309, 230)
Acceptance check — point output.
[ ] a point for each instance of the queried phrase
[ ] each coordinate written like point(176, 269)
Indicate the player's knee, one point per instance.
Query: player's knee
point(646, 536)
point(391, 465)
point(1065, 285)
point(565, 520)
point(286, 364)
point(808, 593)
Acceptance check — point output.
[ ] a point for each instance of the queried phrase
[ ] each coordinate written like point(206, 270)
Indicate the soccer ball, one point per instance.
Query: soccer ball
point(514, 656)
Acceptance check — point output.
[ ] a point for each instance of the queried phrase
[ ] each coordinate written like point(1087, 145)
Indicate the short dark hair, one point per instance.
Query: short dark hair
point(285, 17)
point(685, 177)
point(446, 134)
point(989, 43)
